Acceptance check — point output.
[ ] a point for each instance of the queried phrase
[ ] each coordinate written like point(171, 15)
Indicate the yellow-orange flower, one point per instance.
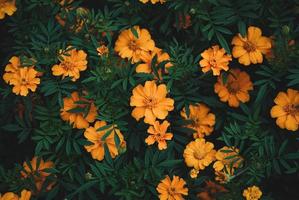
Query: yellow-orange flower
point(286, 110)
point(75, 111)
point(7, 7)
point(202, 120)
point(158, 133)
point(37, 170)
point(102, 50)
point(236, 88)
point(153, 1)
point(71, 64)
point(25, 195)
point(199, 154)
point(9, 196)
point(99, 138)
point(22, 78)
point(132, 47)
point(227, 157)
point(146, 66)
point(250, 49)
point(151, 102)
point(214, 59)
point(194, 173)
point(252, 193)
point(172, 189)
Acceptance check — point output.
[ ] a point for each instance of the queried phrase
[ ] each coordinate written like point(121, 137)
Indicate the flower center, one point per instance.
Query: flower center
point(67, 65)
point(249, 47)
point(291, 109)
point(171, 190)
point(150, 102)
point(213, 62)
point(198, 155)
point(233, 87)
point(132, 45)
point(23, 81)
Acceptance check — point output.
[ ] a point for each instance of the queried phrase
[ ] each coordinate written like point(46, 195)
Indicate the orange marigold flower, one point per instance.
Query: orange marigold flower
point(7, 7)
point(249, 49)
point(75, 111)
point(37, 170)
point(214, 59)
point(227, 157)
point(286, 110)
point(199, 154)
point(151, 102)
point(172, 189)
point(103, 50)
point(158, 134)
point(252, 193)
point(71, 64)
point(153, 1)
point(236, 88)
point(11, 68)
point(147, 58)
point(22, 78)
point(202, 120)
point(25, 195)
point(132, 47)
point(99, 138)
point(194, 173)
point(9, 196)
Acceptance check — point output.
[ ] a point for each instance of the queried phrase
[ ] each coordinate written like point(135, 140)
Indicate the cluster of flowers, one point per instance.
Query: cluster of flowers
point(34, 169)
point(151, 102)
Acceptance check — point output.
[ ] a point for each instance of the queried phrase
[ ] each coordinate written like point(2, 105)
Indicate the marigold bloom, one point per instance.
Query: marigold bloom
point(286, 110)
point(25, 195)
point(22, 78)
point(7, 7)
point(172, 189)
point(99, 139)
point(147, 58)
point(227, 157)
point(214, 59)
point(252, 193)
point(151, 102)
point(36, 169)
point(158, 134)
point(78, 118)
point(250, 49)
point(103, 50)
point(194, 173)
point(132, 47)
point(199, 154)
point(202, 120)
point(9, 196)
point(71, 64)
point(153, 1)
point(11, 68)
point(236, 88)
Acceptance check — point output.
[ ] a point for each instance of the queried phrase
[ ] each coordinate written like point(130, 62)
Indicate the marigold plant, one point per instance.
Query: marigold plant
point(149, 99)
